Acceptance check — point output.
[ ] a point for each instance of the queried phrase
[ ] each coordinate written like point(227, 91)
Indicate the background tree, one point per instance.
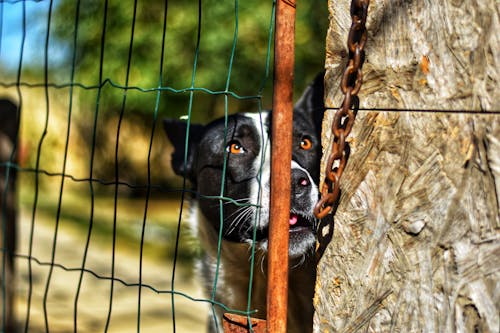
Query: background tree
point(217, 31)
point(217, 22)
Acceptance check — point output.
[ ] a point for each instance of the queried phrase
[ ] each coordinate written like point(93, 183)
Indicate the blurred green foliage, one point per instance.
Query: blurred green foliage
point(217, 31)
point(111, 128)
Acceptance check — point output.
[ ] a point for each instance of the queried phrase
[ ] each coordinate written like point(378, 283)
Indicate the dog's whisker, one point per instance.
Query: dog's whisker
point(236, 212)
point(246, 214)
point(255, 223)
point(249, 228)
point(262, 265)
point(300, 262)
point(243, 213)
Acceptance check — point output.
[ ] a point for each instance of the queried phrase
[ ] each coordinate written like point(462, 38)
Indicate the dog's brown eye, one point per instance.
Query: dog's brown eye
point(235, 148)
point(306, 143)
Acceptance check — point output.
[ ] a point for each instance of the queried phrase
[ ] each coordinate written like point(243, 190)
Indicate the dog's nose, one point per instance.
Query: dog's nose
point(300, 182)
point(303, 181)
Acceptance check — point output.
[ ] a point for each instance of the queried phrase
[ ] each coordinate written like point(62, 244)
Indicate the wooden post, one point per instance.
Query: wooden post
point(277, 291)
point(416, 245)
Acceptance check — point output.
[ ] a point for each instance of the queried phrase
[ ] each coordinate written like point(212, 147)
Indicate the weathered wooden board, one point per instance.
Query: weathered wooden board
point(416, 246)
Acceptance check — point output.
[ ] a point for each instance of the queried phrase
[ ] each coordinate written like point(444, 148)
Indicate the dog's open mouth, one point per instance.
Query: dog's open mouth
point(301, 234)
point(299, 223)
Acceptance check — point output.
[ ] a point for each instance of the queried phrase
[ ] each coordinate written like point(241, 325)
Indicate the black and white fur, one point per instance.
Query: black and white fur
point(246, 145)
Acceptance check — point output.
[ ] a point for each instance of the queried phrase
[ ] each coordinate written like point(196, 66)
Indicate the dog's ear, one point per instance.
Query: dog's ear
point(176, 133)
point(311, 102)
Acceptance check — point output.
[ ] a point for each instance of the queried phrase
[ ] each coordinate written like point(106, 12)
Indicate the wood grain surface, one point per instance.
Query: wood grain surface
point(416, 245)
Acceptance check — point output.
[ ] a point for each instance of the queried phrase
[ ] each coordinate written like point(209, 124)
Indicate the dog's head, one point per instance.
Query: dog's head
point(228, 164)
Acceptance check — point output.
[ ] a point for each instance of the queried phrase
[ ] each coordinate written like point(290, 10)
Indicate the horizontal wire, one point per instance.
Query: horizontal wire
point(129, 284)
point(161, 188)
point(454, 111)
point(115, 85)
point(229, 93)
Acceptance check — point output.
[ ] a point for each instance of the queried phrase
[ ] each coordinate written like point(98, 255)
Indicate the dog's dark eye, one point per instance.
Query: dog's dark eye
point(234, 147)
point(306, 143)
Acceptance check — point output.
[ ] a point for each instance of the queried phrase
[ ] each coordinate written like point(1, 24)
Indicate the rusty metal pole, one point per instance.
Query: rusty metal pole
point(281, 160)
point(284, 52)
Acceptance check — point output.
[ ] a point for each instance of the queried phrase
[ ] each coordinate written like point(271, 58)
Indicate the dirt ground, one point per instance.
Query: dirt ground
point(94, 300)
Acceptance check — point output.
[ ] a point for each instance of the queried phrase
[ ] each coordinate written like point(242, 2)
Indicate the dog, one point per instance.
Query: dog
point(228, 165)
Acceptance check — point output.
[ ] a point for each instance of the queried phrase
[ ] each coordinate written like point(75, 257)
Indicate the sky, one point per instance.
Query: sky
point(11, 25)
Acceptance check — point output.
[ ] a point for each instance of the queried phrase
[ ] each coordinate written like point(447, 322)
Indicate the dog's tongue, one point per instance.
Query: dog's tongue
point(293, 219)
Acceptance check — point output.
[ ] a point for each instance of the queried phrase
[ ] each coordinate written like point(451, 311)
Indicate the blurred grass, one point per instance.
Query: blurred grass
point(160, 230)
point(95, 291)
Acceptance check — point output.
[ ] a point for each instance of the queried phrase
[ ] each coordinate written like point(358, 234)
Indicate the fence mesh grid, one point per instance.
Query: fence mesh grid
point(55, 292)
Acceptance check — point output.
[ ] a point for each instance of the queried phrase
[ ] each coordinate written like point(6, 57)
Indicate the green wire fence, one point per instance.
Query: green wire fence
point(87, 76)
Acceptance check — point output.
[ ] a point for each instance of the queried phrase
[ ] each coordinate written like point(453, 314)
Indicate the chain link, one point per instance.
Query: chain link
point(351, 82)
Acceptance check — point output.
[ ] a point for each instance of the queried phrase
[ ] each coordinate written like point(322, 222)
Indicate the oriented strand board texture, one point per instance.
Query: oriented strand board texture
point(416, 246)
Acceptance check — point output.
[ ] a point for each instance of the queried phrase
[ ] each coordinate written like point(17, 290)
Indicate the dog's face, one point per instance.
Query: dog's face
point(228, 163)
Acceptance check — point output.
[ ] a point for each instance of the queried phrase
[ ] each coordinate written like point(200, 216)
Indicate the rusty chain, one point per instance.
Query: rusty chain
point(345, 116)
